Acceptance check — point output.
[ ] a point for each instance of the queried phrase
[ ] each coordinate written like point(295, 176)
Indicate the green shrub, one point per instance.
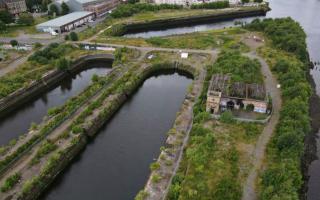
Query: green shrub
point(202, 117)
point(73, 36)
point(228, 189)
point(25, 19)
point(141, 195)
point(62, 64)
point(227, 117)
point(45, 148)
point(156, 178)
point(154, 166)
point(10, 182)
point(14, 43)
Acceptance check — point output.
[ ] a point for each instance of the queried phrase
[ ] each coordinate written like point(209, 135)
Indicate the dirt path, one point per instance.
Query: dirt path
point(212, 52)
point(13, 65)
point(249, 188)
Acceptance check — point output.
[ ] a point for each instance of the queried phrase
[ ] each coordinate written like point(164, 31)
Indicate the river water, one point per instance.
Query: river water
point(18, 122)
point(306, 12)
point(115, 164)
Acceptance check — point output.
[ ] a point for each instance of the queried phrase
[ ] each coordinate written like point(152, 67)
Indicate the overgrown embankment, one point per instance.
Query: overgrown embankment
point(127, 26)
point(44, 69)
point(288, 58)
point(87, 123)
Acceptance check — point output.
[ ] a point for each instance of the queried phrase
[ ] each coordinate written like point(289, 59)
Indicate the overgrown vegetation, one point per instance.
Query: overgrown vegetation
point(211, 5)
point(45, 148)
point(240, 68)
point(283, 178)
point(10, 182)
point(38, 64)
point(210, 168)
point(50, 54)
point(127, 10)
point(285, 33)
point(225, 39)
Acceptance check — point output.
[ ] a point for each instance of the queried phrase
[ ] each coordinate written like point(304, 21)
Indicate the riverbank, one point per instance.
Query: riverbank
point(168, 18)
point(47, 81)
point(310, 142)
point(191, 19)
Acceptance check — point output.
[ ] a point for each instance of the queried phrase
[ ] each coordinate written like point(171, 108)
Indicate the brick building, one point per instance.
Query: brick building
point(99, 7)
point(14, 7)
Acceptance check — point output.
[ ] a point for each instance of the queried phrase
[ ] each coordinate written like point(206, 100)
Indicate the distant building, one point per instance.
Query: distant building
point(99, 7)
point(14, 7)
point(66, 23)
point(223, 95)
point(2, 5)
point(190, 2)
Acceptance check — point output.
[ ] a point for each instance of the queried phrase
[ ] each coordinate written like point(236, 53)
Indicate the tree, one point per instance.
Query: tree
point(74, 36)
point(53, 10)
point(14, 43)
point(245, 1)
point(62, 64)
point(25, 19)
point(44, 4)
point(37, 45)
point(227, 117)
point(6, 17)
point(64, 8)
point(33, 4)
point(3, 26)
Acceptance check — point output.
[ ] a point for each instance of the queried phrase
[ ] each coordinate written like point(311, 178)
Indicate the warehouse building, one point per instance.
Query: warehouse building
point(99, 7)
point(67, 22)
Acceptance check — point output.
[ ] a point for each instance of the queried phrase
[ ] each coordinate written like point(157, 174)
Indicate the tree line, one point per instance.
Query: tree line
point(283, 177)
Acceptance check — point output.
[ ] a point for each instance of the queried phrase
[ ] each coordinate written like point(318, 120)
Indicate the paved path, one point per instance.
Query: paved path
point(249, 188)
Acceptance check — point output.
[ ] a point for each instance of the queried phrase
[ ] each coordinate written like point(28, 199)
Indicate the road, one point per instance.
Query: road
point(249, 188)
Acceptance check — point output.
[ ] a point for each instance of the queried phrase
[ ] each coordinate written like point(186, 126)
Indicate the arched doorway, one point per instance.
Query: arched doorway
point(250, 107)
point(230, 105)
point(240, 104)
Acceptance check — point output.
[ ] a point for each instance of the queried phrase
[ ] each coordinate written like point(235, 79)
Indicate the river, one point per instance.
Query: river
point(18, 121)
point(115, 164)
point(307, 14)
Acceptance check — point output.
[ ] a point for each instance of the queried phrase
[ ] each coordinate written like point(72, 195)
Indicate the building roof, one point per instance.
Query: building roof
point(60, 21)
point(221, 83)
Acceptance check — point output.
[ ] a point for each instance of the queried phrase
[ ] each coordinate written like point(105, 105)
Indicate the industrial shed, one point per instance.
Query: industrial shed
point(224, 94)
point(66, 23)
